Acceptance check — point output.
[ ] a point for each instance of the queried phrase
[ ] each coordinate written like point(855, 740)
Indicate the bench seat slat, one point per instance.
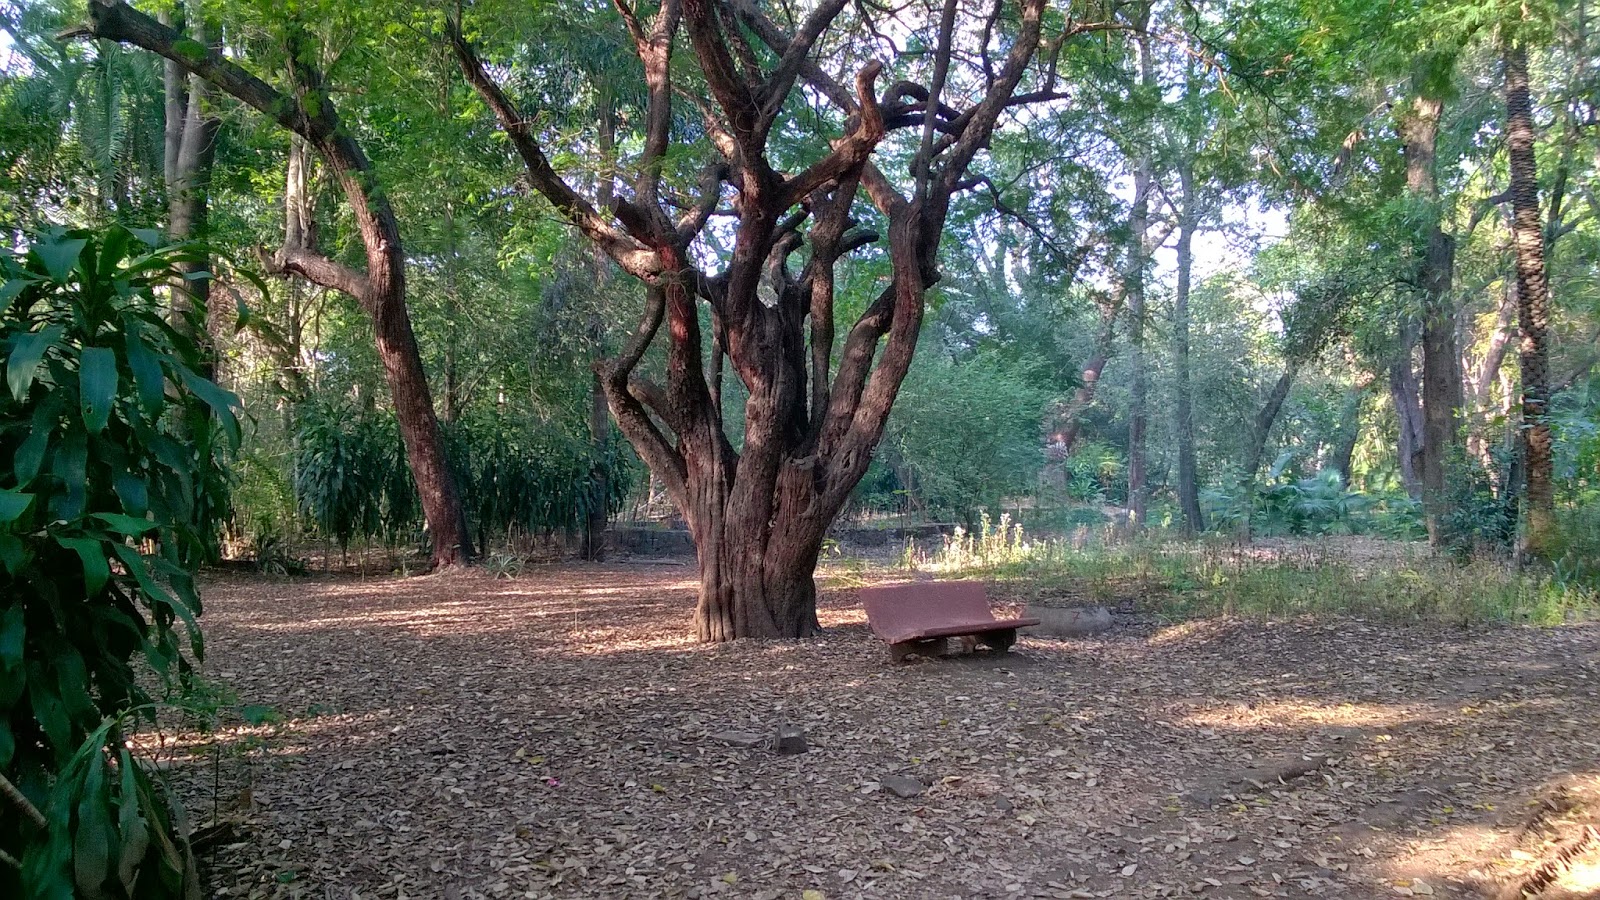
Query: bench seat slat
point(955, 629)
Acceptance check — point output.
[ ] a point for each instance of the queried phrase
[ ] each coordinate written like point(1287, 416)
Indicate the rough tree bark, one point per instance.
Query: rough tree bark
point(758, 513)
point(1418, 126)
point(1406, 395)
point(380, 289)
point(1533, 304)
point(1188, 485)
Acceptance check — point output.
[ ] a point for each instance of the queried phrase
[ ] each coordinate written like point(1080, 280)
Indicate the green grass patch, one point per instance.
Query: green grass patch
point(1383, 580)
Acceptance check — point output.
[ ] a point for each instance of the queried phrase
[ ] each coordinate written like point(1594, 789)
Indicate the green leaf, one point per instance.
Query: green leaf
point(96, 571)
point(222, 402)
point(150, 236)
point(29, 457)
point(12, 505)
point(71, 465)
point(26, 352)
point(131, 823)
point(97, 386)
point(132, 526)
point(58, 256)
point(133, 491)
point(11, 290)
point(48, 712)
point(91, 846)
point(146, 368)
point(13, 555)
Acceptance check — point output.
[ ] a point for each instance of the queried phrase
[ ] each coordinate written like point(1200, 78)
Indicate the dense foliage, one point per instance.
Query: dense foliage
point(112, 498)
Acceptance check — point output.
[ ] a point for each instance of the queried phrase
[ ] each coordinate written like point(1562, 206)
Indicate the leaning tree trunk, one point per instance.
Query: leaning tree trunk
point(380, 290)
point(1533, 305)
point(1406, 395)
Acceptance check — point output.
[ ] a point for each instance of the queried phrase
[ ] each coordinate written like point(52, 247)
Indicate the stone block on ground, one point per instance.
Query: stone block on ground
point(791, 740)
point(738, 738)
point(902, 785)
point(1069, 621)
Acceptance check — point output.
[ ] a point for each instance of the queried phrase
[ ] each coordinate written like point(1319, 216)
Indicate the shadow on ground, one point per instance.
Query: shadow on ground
point(558, 735)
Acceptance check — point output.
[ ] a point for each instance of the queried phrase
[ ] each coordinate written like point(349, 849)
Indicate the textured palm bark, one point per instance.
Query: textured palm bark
point(1533, 305)
point(1441, 363)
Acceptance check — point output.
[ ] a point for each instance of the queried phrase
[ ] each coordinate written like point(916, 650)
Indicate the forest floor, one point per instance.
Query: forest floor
point(556, 734)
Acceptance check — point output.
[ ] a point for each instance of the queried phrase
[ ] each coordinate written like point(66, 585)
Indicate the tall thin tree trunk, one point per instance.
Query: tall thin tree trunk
point(190, 146)
point(598, 512)
point(1441, 365)
point(1188, 487)
point(1134, 280)
point(1405, 393)
point(1533, 304)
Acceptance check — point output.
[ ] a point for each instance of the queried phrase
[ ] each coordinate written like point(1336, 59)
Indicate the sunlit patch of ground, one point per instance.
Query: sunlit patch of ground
point(559, 734)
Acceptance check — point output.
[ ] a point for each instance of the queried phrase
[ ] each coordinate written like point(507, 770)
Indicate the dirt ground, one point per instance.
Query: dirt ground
point(556, 734)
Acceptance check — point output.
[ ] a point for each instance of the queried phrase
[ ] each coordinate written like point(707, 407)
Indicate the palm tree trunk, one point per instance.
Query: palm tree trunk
point(1533, 304)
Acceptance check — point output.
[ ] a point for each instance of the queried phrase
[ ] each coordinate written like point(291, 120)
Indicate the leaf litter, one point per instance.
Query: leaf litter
point(560, 735)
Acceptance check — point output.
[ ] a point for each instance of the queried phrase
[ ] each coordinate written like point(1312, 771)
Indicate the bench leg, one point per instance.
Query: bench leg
point(999, 641)
point(899, 652)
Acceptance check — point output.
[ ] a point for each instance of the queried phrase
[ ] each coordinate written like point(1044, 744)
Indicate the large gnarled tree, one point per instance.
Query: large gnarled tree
point(816, 407)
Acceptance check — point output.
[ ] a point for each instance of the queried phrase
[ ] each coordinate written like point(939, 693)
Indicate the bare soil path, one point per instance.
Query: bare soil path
point(554, 735)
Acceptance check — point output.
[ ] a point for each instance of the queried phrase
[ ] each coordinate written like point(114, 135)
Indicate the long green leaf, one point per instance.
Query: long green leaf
point(145, 365)
point(11, 290)
point(131, 526)
point(91, 845)
point(26, 353)
point(97, 386)
point(96, 571)
point(130, 822)
point(30, 453)
point(222, 402)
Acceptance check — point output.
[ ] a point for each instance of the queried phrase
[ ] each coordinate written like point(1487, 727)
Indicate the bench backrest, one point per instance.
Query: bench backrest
point(901, 608)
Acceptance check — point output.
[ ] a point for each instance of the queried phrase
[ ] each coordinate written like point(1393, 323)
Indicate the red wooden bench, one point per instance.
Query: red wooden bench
point(917, 618)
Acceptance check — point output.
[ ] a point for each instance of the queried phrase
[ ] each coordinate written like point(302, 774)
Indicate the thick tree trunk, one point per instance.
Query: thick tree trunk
point(1533, 305)
point(1441, 364)
point(1188, 486)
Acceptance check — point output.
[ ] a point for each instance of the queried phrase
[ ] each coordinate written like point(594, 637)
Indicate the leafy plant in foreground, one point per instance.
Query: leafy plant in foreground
point(106, 508)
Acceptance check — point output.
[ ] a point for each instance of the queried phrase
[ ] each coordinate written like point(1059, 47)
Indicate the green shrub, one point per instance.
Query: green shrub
point(111, 498)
